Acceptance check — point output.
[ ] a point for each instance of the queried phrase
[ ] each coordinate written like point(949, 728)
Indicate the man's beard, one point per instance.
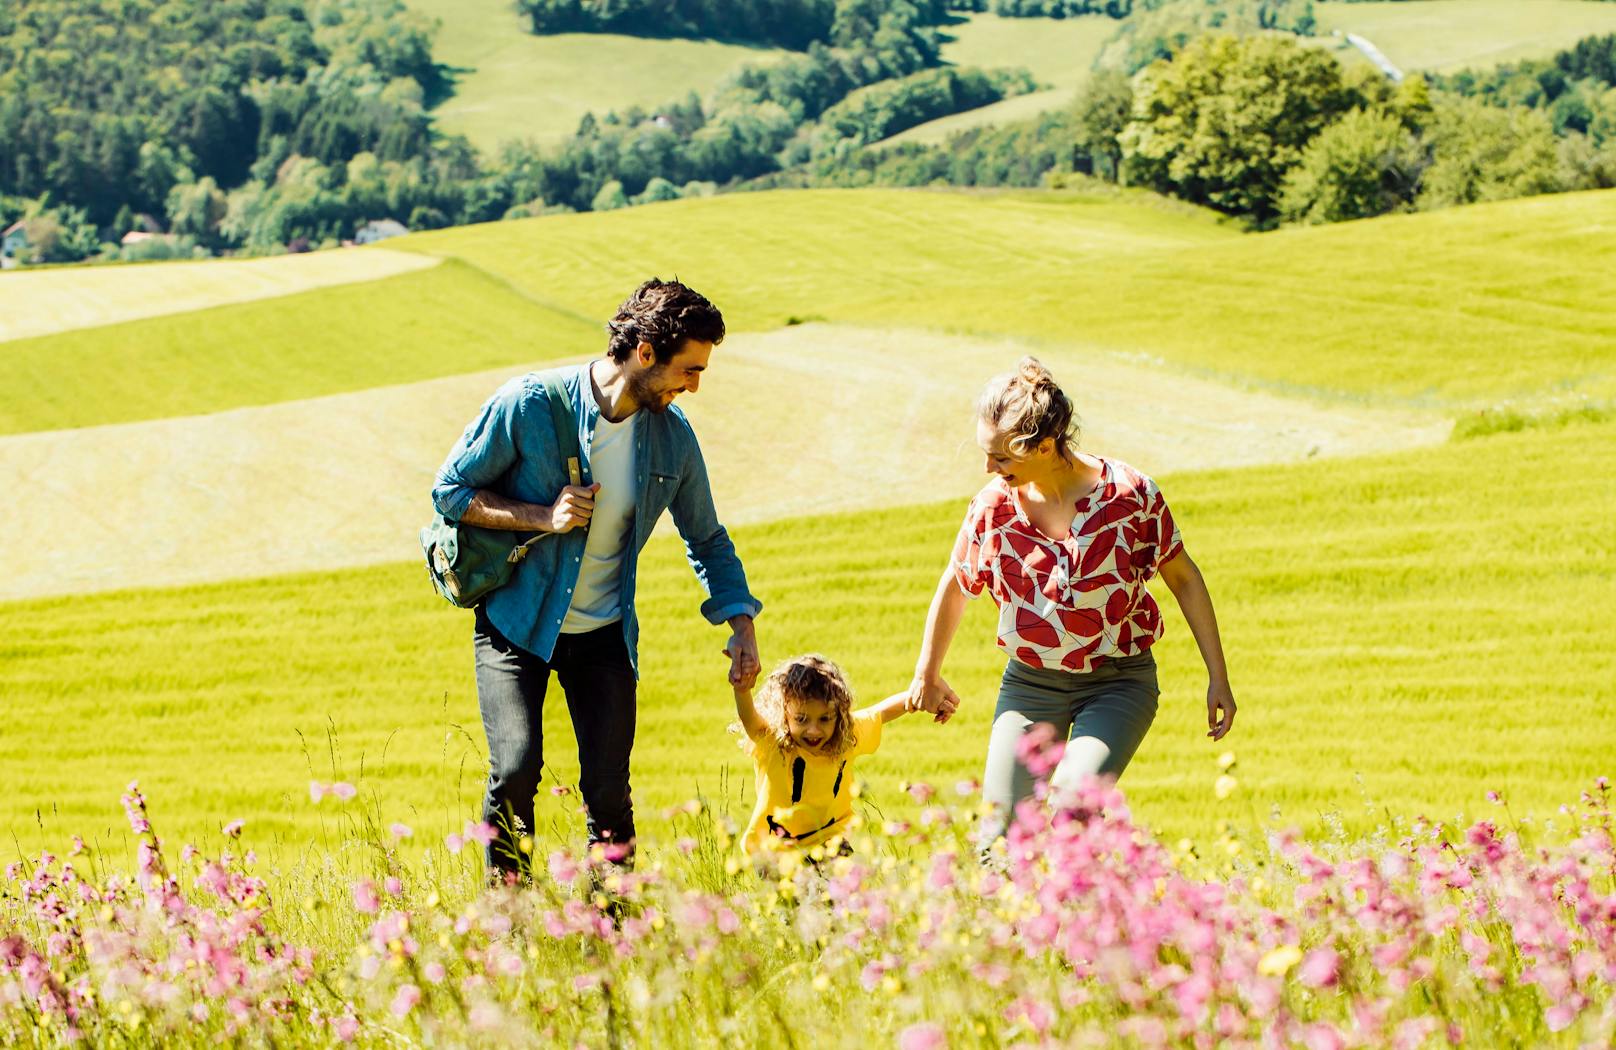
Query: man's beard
point(642, 388)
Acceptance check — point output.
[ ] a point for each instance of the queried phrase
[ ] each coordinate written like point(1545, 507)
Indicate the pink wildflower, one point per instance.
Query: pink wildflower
point(406, 1000)
point(364, 897)
point(394, 886)
point(925, 1036)
point(318, 791)
point(1039, 751)
point(1560, 1016)
point(401, 831)
point(232, 830)
point(1031, 1012)
point(1320, 968)
point(454, 842)
point(563, 868)
point(480, 831)
point(344, 790)
point(1323, 1036)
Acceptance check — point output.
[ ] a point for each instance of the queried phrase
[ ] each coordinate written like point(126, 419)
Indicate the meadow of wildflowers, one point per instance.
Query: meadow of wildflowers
point(1079, 929)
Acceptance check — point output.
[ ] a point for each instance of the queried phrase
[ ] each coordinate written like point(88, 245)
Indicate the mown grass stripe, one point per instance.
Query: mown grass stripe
point(445, 321)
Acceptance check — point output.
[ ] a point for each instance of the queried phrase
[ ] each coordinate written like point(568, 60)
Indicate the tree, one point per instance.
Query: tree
point(1364, 164)
point(196, 209)
point(658, 189)
point(611, 196)
point(1224, 122)
point(1102, 112)
point(1484, 153)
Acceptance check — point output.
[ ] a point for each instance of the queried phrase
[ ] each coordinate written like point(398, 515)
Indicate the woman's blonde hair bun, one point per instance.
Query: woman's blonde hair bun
point(1029, 405)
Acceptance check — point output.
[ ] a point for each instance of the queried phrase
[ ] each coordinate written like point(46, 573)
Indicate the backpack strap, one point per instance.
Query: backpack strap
point(566, 424)
point(566, 428)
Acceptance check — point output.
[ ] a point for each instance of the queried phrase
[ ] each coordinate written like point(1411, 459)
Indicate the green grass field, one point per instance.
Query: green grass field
point(1391, 645)
point(1454, 310)
point(517, 297)
point(1059, 52)
point(511, 84)
point(1371, 606)
point(1446, 35)
point(445, 321)
point(54, 299)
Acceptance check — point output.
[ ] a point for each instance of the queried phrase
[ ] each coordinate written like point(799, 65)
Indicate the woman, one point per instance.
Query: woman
point(1064, 541)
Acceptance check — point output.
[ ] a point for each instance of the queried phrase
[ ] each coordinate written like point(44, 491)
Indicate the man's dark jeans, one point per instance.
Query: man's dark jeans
point(598, 681)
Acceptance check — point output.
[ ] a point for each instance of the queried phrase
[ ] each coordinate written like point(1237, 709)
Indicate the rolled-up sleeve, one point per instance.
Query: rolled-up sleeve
point(486, 450)
point(707, 544)
point(1158, 529)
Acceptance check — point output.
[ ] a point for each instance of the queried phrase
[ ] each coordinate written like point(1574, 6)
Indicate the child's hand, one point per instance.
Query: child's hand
point(743, 659)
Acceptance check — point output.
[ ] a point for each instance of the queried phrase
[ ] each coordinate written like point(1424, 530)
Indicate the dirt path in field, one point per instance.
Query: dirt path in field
point(42, 302)
point(806, 420)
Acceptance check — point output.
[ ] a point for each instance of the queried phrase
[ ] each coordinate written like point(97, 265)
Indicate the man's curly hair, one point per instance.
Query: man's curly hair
point(664, 314)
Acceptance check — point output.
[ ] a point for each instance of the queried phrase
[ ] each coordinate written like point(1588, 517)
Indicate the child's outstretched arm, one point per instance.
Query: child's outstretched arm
point(751, 721)
point(894, 706)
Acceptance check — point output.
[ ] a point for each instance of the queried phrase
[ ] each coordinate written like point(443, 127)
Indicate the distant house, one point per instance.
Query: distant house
point(137, 236)
point(380, 230)
point(14, 243)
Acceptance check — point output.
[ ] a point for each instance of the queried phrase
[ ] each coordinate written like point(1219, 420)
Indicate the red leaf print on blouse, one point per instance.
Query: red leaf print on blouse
point(1109, 514)
point(1034, 629)
point(1117, 606)
point(1016, 579)
point(1084, 623)
point(1029, 657)
point(1021, 544)
point(1074, 660)
point(1098, 552)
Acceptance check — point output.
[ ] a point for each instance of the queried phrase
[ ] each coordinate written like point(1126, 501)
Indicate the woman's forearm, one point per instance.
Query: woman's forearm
point(1195, 602)
point(942, 622)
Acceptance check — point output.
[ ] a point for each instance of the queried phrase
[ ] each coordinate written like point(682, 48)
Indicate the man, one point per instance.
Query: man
point(570, 605)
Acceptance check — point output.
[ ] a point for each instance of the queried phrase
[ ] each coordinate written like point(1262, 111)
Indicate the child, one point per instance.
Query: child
point(803, 736)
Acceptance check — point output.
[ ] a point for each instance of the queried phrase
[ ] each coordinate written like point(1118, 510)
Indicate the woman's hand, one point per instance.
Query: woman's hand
point(934, 696)
point(1219, 709)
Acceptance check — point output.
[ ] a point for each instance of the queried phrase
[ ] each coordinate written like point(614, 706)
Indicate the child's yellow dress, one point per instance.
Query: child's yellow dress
point(804, 799)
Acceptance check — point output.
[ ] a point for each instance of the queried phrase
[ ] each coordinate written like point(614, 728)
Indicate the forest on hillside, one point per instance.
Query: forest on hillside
point(268, 125)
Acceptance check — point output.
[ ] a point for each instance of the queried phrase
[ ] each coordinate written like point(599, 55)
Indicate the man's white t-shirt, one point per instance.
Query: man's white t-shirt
point(597, 599)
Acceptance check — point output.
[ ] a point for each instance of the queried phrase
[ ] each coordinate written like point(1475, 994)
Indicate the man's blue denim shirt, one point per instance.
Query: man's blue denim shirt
point(511, 449)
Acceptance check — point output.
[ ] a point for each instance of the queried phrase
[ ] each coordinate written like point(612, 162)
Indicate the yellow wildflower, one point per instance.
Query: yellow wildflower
point(1278, 962)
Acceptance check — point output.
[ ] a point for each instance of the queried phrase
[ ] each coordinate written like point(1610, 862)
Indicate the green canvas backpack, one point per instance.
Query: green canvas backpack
point(468, 562)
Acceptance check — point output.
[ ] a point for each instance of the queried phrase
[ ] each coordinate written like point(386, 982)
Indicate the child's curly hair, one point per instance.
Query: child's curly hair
point(810, 677)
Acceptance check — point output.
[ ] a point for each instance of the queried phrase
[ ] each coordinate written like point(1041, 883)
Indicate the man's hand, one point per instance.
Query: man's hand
point(934, 697)
point(742, 651)
point(1219, 709)
point(572, 509)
